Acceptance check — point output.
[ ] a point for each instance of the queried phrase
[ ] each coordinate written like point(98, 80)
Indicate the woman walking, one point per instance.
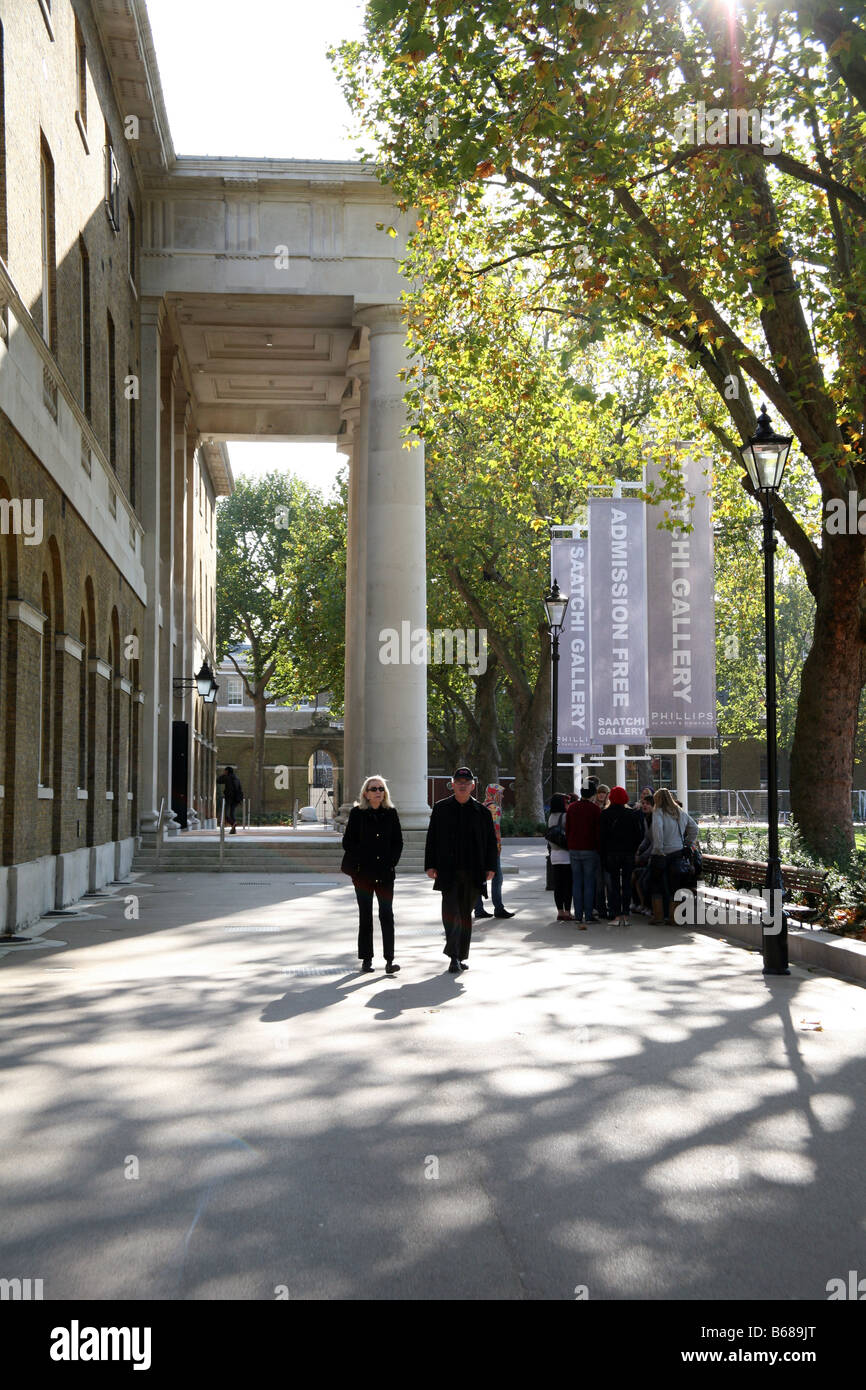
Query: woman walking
point(373, 843)
point(560, 861)
point(672, 829)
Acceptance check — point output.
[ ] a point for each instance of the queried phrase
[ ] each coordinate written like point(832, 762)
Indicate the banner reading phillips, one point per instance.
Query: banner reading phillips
point(682, 621)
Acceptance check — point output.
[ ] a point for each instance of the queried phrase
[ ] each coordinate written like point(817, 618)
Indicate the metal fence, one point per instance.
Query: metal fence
point(751, 805)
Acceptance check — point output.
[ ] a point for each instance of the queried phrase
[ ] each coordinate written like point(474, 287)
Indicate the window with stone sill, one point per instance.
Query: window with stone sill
point(112, 184)
point(45, 8)
point(81, 80)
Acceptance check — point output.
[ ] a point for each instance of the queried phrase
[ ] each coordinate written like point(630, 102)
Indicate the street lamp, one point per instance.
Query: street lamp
point(203, 682)
point(765, 456)
point(555, 605)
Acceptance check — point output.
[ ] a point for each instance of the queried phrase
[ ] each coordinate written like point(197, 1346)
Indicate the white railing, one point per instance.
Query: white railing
point(750, 805)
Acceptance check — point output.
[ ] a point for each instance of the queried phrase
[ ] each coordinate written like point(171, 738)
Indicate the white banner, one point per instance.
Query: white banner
point(569, 566)
point(681, 610)
point(618, 619)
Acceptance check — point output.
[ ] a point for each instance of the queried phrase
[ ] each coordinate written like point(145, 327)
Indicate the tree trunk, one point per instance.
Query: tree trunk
point(531, 738)
point(822, 754)
point(485, 743)
point(257, 789)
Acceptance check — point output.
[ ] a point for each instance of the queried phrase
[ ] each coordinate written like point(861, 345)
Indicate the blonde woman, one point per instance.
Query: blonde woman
point(372, 844)
point(671, 829)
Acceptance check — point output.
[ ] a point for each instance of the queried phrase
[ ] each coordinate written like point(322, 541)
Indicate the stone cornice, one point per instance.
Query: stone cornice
point(18, 610)
point(97, 667)
point(328, 178)
point(127, 44)
point(216, 461)
point(64, 643)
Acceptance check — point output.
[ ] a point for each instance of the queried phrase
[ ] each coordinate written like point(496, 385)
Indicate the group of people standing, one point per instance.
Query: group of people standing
point(462, 855)
point(610, 858)
point(603, 852)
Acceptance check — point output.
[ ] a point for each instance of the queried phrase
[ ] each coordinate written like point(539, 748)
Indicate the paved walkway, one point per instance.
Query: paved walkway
point(635, 1111)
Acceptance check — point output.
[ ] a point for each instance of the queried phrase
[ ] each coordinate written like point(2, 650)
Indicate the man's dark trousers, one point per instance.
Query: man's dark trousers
point(457, 904)
point(384, 890)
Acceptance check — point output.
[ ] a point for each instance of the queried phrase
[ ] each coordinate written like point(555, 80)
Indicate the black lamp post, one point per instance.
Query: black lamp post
point(555, 605)
point(765, 456)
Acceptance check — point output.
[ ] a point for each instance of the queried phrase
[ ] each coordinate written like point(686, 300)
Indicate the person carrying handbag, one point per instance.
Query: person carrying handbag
point(560, 859)
point(673, 830)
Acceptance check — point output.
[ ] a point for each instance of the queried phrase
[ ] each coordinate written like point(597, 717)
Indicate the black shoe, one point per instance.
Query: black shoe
point(454, 967)
point(463, 965)
point(502, 913)
point(482, 913)
point(391, 968)
point(366, 967)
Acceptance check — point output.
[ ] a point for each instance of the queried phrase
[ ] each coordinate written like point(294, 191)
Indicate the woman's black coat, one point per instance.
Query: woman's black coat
point(373, 843)
point(441, 850)
point(621, 831)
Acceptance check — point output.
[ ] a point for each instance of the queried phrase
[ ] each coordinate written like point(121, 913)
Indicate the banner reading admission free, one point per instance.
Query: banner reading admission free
point(618, 616)
point(681, 611)
point(569, 566)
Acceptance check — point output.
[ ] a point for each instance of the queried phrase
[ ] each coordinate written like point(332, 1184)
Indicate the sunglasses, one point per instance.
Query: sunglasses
point(375, 789)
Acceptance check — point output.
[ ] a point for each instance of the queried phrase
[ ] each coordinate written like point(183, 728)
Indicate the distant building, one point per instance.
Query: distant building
point(303, 746)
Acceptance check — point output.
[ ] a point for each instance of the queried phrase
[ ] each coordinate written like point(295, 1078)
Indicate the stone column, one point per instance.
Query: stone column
point(354, 751)
point(395, 691)
point(152, 318)
point(172, 386)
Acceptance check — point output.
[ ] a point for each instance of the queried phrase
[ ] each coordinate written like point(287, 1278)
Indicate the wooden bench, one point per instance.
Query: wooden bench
point(750, 873)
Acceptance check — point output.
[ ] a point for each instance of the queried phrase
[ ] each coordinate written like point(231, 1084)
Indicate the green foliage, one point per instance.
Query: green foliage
point(520, 825)
point(559, 144)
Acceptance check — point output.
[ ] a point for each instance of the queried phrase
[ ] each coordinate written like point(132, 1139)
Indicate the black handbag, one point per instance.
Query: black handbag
point(689, 864)
point(555, 834)
point(548, 876)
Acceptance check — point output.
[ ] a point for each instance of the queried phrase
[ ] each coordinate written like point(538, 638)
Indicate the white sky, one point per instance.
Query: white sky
point(252, 78)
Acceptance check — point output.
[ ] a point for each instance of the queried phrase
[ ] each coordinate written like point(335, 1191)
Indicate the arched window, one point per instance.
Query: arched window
point(82, 704)
point(132, 747)
point(46, 683)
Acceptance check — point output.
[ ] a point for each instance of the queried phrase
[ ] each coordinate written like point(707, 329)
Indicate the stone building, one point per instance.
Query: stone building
point(95, 559)
point(303, 747)
point(151, 309)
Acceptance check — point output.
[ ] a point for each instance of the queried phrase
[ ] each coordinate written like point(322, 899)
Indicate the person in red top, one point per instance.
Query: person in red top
point(582, 833)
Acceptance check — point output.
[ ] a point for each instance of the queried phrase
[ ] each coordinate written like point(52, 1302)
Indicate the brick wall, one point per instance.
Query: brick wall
point(80, 578)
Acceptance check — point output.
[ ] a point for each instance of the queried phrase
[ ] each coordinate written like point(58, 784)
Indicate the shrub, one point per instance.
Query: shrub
point(520, 825)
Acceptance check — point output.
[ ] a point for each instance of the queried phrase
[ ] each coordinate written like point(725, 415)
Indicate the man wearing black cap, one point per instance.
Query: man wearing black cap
point(461, 859)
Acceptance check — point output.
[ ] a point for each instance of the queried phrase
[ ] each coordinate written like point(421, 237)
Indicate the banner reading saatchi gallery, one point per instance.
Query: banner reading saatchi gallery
point(681, 609)
point(569, 566)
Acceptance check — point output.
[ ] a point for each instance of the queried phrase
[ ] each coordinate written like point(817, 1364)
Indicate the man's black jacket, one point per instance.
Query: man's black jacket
point(479, 853)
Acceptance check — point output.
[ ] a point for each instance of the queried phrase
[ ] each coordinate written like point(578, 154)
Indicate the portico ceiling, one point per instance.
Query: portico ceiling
point(265, 366)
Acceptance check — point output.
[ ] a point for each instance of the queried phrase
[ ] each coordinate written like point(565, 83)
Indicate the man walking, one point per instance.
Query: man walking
point(232, 795)
point(460, 857)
